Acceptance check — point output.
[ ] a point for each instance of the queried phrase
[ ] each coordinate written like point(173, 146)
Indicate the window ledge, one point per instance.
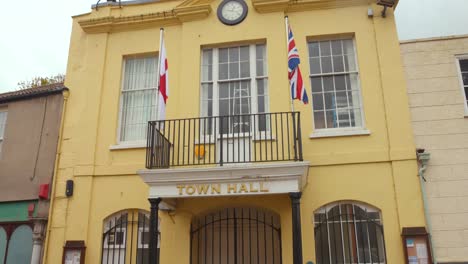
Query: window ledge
point(128, 146)
point(340, 133)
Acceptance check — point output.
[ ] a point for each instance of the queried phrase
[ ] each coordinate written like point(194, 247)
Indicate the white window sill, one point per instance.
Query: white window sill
point(340, 133)
point(138, 145)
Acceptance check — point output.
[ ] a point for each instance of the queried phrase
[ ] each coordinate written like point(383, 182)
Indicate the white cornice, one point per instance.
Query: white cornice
point(291, 173)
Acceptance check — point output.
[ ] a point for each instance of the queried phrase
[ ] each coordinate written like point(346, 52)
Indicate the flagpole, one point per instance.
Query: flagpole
point(287, 57)
point(161, 32)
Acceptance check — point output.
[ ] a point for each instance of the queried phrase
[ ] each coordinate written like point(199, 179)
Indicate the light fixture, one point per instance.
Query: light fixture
point(386, 4)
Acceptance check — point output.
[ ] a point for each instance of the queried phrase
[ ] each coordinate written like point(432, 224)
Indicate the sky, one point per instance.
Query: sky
point(35, 35)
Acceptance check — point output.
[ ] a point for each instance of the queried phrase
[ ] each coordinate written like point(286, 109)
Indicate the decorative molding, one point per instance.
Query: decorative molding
point(267, 6)
point(279, 177)
point(189, 10)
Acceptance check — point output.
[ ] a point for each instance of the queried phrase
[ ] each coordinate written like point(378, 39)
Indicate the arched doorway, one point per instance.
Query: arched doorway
point(236, 236)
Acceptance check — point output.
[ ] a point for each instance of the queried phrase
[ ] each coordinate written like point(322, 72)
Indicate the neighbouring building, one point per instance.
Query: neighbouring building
point(29, 133)
point(234, 175)
point(437, 79)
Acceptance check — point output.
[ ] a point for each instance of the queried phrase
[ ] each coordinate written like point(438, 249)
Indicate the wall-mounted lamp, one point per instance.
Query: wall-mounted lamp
point(386, 4)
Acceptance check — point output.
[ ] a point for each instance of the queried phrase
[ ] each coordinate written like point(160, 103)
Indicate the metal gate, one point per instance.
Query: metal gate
point(126, 238)
point(347, 233)
point(236, 236)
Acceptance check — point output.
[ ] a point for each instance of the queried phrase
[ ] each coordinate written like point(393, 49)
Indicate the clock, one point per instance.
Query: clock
point(232, 12)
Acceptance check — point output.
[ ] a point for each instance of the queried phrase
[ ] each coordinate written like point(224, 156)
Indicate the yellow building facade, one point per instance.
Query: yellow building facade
point(341, 177)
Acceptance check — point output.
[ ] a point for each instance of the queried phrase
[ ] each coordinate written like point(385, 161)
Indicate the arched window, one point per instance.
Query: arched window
point(349, 232)
point(20, 246)
point(126, 238)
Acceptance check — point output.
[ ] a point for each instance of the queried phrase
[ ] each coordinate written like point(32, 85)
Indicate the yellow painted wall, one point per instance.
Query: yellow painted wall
point(378, 169)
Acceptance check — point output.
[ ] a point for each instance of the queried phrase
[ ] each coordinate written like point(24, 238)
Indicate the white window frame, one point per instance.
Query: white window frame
point(459, 58)
point(122, 144)
point(253, 80)
point(340, 131)
point(2, 138)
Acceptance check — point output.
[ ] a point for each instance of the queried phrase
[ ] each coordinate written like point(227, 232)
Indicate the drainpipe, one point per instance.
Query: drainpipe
point(423, 159)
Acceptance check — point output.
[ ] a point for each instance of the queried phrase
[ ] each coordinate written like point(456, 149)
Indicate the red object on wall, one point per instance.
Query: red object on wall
point(44, 191)
point(31, 209)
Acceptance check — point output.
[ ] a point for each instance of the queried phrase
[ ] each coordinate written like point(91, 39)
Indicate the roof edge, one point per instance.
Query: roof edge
point(30, 93)
point(433, 39)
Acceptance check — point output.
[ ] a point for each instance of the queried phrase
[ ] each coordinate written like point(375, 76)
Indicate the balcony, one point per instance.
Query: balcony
point(222, 140)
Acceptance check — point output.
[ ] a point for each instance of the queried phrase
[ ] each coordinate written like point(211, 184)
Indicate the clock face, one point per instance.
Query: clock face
point(232, 12)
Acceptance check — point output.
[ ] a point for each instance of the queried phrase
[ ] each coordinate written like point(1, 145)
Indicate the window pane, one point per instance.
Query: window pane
point(245, 69)
point(319, 119)
point(464, 65)
point(353, 99)
point(223, 55)
point(465, 78)
point(326, 64)
point(315, 66)
point(3, 118)
point(336, 47)
point(338, 65)
point(224, 90)
point(316, 84)
point(233, 54)
point(340, 83)
point(325, 48)
point(223, 71)
point(328, 84)
point(356, 117)
point(348, 46)
point(353, 82)
point(317, 103)
point(207, 57)
point(330, 101)
point(244, 53)
point(233, 70)
point(341, 100)
point(350, 62)
point(331, 119)
point(314, 49)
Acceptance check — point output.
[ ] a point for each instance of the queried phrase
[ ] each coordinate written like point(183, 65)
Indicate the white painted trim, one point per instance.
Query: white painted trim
point(339, 133)
point(280, 177)
point(460, 79)
point(130, 145)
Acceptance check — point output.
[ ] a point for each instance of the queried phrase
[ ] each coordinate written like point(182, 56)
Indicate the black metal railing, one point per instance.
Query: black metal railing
point(224, 140)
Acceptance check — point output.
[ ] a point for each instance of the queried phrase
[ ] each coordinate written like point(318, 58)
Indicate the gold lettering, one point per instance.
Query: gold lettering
point(215, 188)
point(232, 187)
point(262, 189)
point(202, 188)
point(252, 188)
point(181, 189)
point(190, 189)
point(243, 188)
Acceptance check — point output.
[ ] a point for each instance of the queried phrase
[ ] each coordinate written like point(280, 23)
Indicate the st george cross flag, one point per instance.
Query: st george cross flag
point(163, 92)
point(296, 84)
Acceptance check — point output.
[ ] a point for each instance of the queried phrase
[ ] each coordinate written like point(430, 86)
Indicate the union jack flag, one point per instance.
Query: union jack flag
point(298, 90)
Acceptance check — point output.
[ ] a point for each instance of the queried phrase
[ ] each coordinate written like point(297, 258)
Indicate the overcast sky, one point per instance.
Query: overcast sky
point(35, 35)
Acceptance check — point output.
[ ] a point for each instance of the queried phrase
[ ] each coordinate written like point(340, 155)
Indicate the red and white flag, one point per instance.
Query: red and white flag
point(163, 92)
